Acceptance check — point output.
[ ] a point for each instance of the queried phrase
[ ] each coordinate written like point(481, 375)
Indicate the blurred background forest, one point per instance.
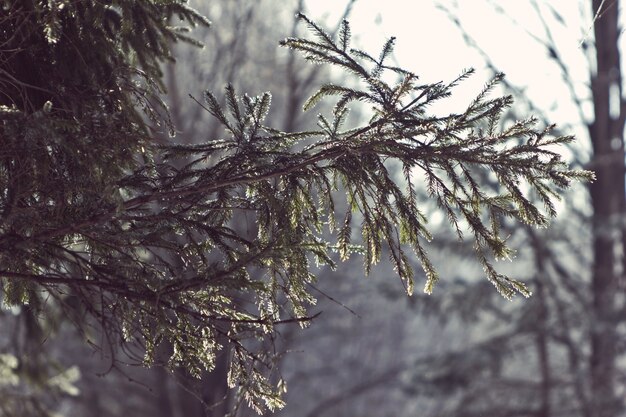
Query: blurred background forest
point(463, 351)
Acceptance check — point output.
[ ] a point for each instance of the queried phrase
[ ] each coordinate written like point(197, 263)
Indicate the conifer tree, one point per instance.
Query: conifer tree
point(140, 240)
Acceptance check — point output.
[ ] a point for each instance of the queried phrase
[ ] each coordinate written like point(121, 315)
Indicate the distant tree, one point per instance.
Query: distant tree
point(135, 240)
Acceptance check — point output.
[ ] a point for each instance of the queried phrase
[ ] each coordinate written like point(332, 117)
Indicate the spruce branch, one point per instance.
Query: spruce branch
point(146, 234)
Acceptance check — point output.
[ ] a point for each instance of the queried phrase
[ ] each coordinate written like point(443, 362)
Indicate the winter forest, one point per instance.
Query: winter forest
point(312, 208)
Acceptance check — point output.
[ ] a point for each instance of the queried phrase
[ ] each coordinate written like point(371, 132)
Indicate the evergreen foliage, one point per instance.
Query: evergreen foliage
point(209, 246)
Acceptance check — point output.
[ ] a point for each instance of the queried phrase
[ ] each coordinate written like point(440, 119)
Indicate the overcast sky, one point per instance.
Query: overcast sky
point(429, 44)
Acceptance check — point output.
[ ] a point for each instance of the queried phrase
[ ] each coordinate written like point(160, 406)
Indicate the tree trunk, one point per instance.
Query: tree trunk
point(607, 195)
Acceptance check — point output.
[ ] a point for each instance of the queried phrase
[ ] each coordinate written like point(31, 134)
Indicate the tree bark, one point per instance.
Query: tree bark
point(607, 195)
